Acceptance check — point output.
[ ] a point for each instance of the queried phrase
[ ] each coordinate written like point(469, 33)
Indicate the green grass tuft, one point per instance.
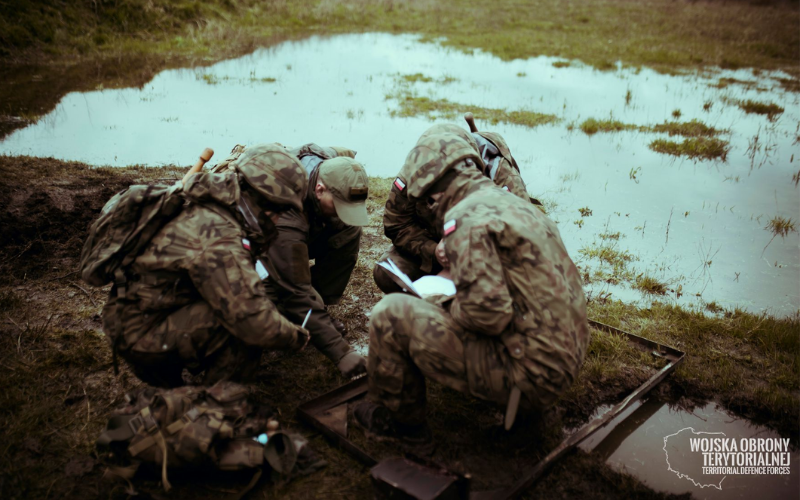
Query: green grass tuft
point(412, 105)
point(592, 126)
point(760, 108)
point(696, 148)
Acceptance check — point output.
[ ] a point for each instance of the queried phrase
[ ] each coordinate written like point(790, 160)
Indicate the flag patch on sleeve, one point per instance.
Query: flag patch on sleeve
point(400, 184)
point(449, 226)
point(246, 243)
point(505, 188)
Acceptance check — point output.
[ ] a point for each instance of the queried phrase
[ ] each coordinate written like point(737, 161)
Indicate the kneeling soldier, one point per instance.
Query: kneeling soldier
point(517, 325)
point(409, 223)
point(193, 298)
point(328, 230)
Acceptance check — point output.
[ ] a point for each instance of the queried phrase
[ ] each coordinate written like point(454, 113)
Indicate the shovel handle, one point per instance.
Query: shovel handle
point(204, 157)
point(471, 122)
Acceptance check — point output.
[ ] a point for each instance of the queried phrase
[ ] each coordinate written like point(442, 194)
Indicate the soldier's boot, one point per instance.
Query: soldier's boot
point(379, 424)
point(340, 327)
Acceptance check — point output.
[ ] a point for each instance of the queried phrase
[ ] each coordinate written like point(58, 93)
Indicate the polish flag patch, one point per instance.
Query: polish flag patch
point(246, 243)
point(400, 184)
point(505, 188)
point(449, 226)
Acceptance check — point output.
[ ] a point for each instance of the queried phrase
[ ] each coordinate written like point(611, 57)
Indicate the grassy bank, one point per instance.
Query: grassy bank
point(51, 47)
point(663, 34)
point(57, 385)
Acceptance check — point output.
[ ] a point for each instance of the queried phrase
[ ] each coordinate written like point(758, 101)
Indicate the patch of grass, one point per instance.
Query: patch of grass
point(742, 360)
point(649, 285)
point(562, 64)
point(592, 126)
point(416, 77)
point(413, 105)
point(676, 113)
point(696, 148)
point(693, 128)
point(790, 84)
point(779, 226)
point(771, 110)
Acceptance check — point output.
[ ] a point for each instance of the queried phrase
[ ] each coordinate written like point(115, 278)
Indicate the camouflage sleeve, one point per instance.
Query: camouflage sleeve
point(400, 226)
point(509, 179)
point(224, 274)
point(290, 277)
point(483, 302)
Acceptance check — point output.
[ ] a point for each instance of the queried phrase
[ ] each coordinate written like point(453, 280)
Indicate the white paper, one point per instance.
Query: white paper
point(390, 266)
point(435, 285)
point(261, 270)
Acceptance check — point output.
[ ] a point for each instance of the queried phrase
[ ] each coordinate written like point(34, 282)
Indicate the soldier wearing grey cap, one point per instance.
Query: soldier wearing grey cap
point(328, 230)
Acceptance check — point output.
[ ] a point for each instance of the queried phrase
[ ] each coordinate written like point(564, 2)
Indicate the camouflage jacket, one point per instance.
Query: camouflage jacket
point(516, 282)
point(412, 226)
point(205, 254)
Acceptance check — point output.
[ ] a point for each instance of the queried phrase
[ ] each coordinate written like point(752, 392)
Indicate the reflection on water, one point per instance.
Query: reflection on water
point(698, 227)
point(638, 446)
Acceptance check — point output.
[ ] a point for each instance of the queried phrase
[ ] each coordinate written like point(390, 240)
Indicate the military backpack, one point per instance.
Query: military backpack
point(206, 428)
point(126, 225)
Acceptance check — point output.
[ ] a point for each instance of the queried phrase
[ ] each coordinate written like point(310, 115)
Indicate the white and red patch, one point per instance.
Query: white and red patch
point(246, 243)
point(449, 226)
point(505, 188)
point(400, 184)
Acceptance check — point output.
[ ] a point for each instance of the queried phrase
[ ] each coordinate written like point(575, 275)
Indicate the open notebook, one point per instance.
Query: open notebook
point(427, 285)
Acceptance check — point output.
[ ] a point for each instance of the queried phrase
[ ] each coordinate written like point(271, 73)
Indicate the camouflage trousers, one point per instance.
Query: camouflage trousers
point(409, 264)
point(161, 345)
point(411, 340)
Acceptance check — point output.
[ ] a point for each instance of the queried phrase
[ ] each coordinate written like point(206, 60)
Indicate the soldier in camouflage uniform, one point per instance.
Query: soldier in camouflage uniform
point(410, 225)
point(193, 298)
point(328, 229)
point(517, 322)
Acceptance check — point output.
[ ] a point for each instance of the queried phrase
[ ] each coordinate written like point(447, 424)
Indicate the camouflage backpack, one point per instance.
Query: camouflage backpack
point(211, 428)
point(126, 225)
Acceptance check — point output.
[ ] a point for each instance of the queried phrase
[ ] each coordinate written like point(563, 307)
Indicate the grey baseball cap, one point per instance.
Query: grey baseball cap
point(348, 182)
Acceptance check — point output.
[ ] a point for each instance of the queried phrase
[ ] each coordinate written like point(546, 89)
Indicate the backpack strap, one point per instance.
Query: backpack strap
point(155, 437)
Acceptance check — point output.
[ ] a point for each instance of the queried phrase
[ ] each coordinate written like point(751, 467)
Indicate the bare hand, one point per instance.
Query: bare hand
point(303, 336)
point(441, 255)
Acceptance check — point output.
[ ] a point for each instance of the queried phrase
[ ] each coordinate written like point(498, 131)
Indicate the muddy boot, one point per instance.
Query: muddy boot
point(379, 424)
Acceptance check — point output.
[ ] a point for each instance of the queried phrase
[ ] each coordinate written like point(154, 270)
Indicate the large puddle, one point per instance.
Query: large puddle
point(701, 227)
point(655, 444)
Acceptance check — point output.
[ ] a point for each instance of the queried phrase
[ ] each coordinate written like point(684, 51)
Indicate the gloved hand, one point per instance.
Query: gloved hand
point(352, 364)
point(301, 340)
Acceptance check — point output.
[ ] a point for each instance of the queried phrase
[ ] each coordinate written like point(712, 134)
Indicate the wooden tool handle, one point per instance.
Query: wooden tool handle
point(471, 122)
point(204, 157)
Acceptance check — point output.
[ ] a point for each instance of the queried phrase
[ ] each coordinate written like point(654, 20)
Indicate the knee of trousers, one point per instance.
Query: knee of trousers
point(394, 314)
point(384, 282)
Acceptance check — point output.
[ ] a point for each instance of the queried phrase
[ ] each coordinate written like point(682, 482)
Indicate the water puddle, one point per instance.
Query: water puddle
point(638, 446)
point(697, 230)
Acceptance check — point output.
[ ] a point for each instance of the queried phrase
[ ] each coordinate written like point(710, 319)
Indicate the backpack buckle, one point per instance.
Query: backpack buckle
point(136, 423)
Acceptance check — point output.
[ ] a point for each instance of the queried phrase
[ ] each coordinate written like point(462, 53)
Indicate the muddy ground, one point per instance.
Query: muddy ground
point(57, 384)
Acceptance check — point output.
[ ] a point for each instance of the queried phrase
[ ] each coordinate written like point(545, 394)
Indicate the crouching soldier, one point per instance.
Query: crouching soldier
point(410, 224)
point(514, 332)
point(328, 230)
point(193, 298)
